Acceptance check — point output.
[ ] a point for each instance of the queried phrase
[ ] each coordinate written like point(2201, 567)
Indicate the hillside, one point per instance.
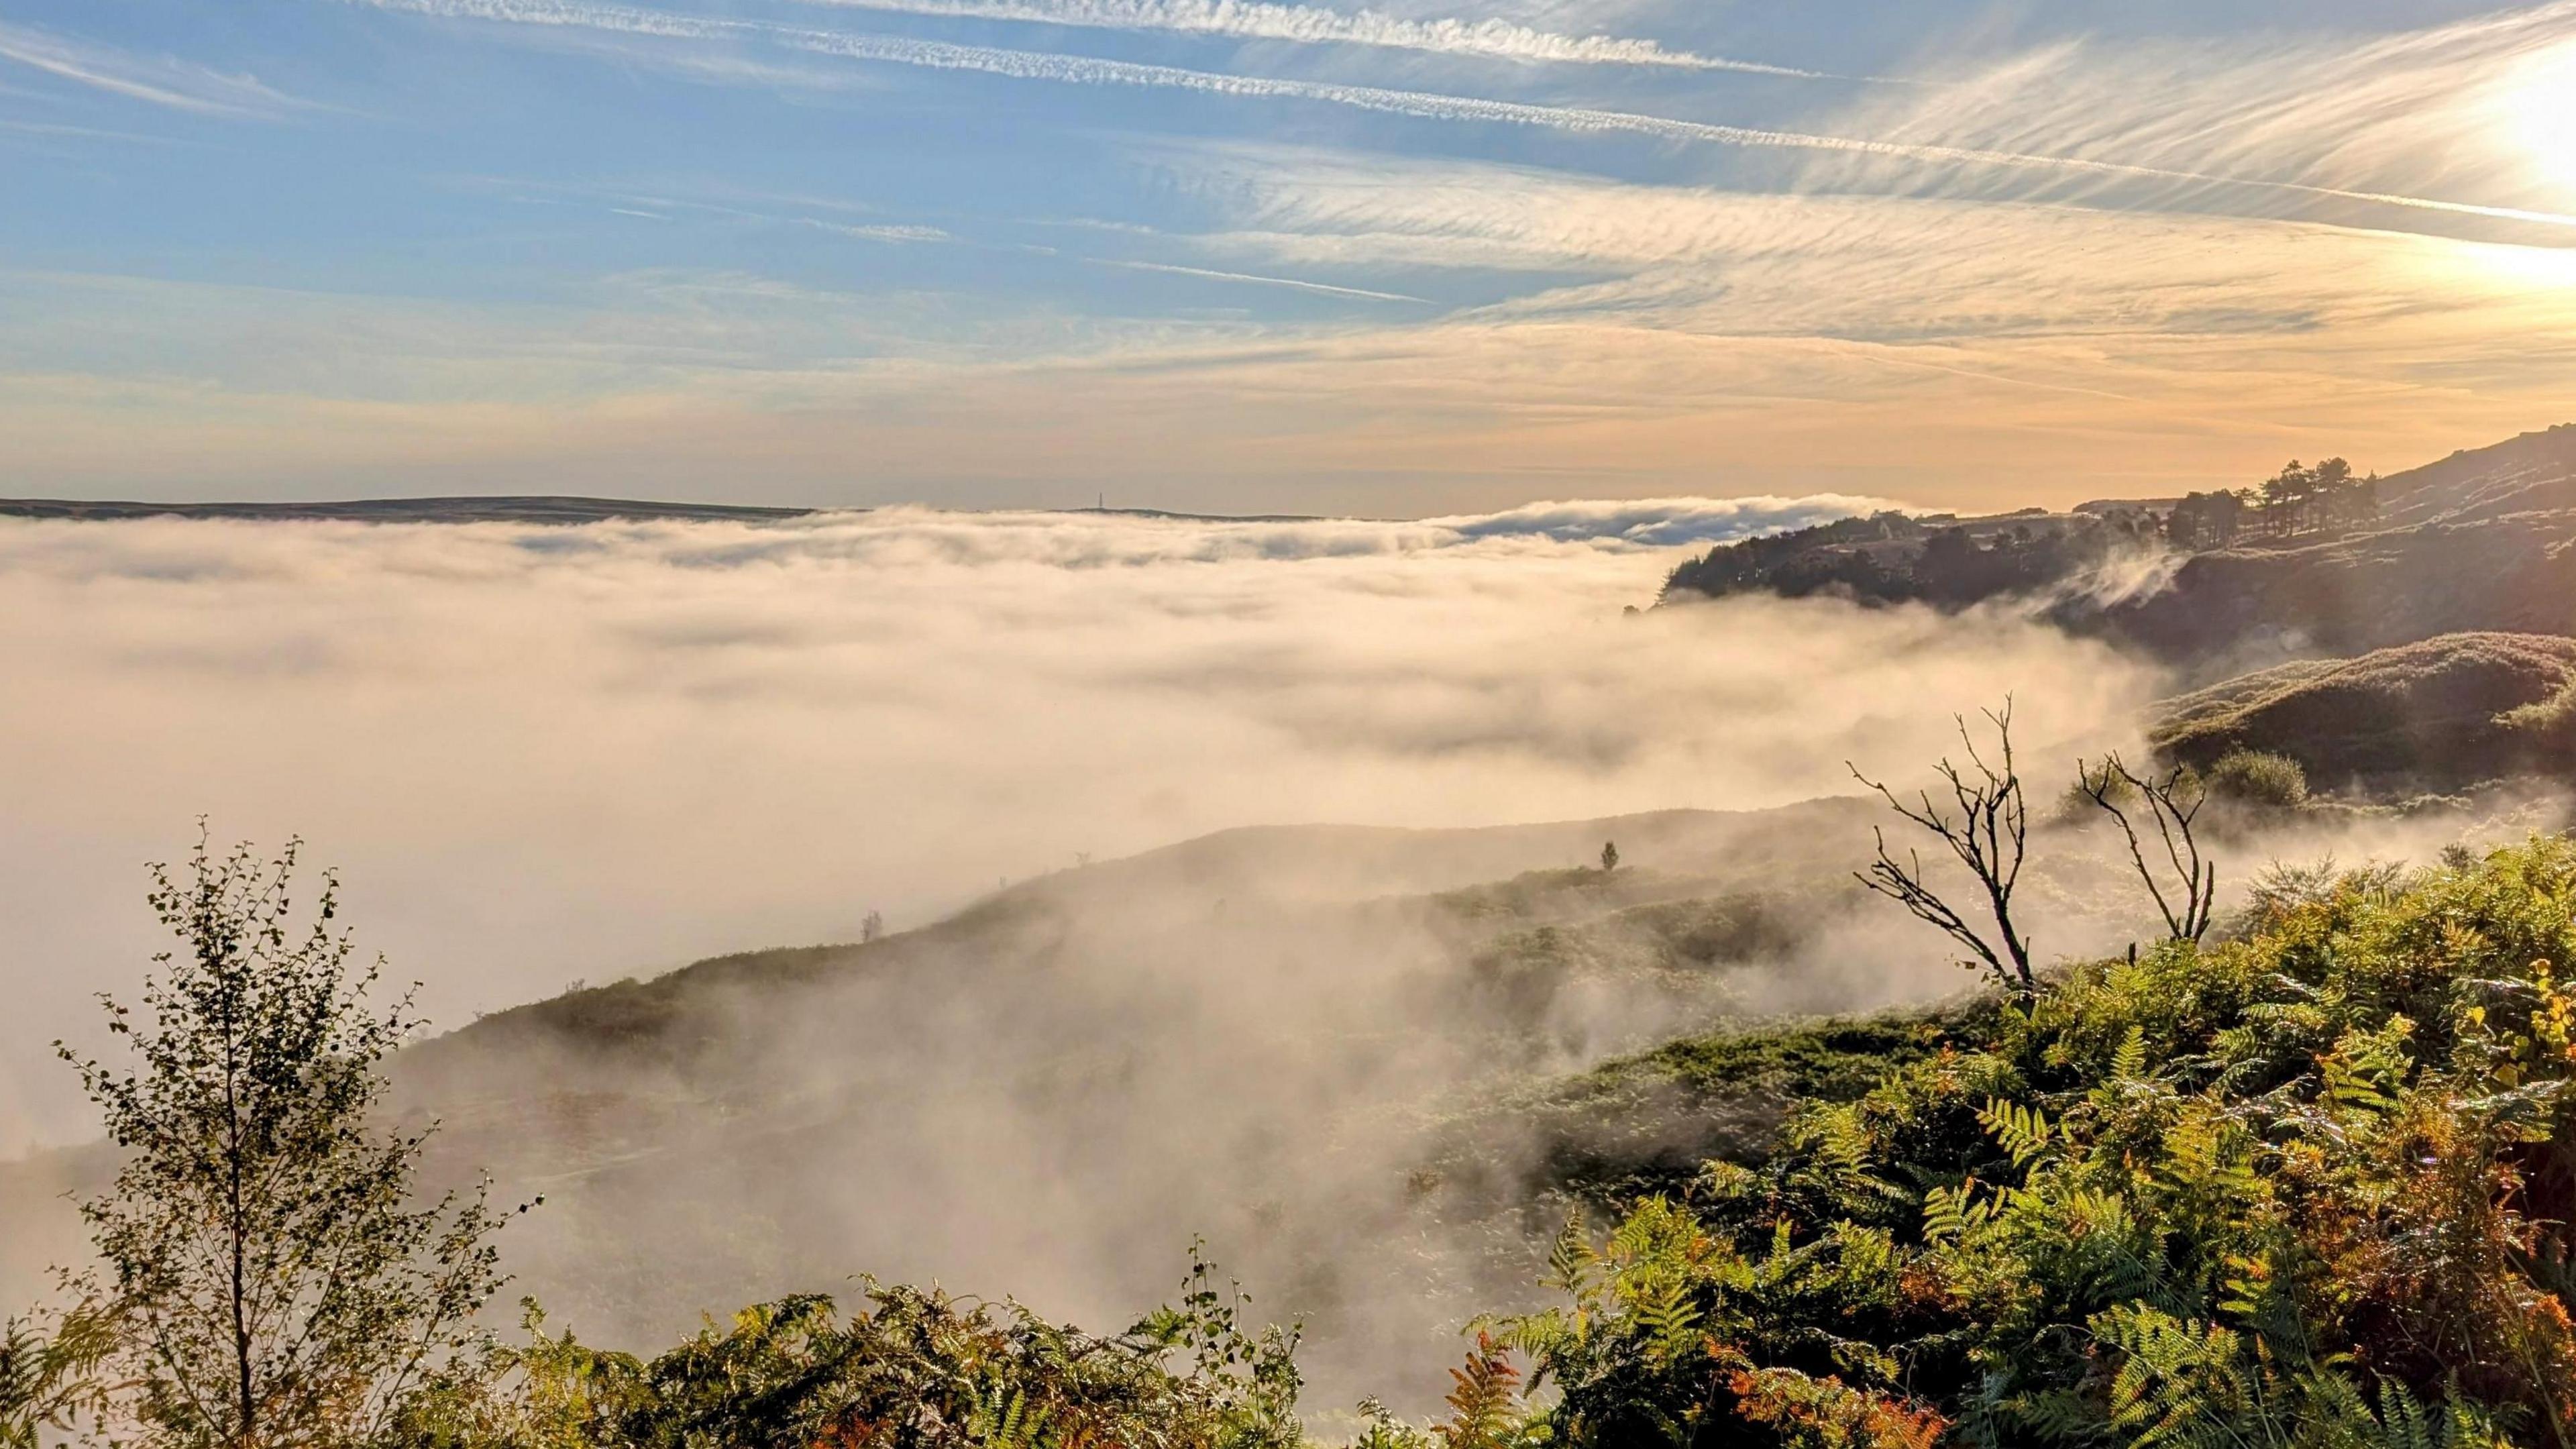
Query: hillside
point(2455, 710)
point(2531, 473)
point(2514, 573)
point(1244, 1036)
point(2306, 1186)
point(2480, 540)
point(1373, 1068)
point(1464, 884)
point(1332, 1051)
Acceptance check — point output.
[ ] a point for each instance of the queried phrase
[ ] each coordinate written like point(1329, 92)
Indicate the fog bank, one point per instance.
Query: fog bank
point(543, 754)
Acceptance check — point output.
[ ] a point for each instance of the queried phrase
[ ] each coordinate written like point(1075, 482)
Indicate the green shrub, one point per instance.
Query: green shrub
point(2308, 1188)
point(2549, 726)
point(915, 1368)
point(2077, 805)
point(2258, 777)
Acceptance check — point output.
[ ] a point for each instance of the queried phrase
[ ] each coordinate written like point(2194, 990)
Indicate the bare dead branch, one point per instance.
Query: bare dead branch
point(2190, 909)
point(1987, 835)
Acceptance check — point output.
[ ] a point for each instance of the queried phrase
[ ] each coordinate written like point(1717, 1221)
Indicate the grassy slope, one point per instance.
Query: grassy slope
point(1647, 1122)
point(2434, 710)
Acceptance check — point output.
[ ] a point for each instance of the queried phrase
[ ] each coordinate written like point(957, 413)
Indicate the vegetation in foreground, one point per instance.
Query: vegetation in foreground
point(2306, 1187)
point(2306, 1182)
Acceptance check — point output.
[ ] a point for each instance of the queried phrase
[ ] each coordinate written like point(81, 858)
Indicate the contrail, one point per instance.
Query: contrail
point(1087, 70)
point(1313, 24)
point(1324, 287)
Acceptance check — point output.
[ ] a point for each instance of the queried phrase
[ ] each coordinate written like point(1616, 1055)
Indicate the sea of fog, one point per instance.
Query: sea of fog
point(543, 754)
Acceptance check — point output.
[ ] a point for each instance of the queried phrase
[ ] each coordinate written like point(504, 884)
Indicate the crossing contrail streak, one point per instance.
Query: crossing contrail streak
point(1293, 283)
point(1428, 105)
point(1314, 24)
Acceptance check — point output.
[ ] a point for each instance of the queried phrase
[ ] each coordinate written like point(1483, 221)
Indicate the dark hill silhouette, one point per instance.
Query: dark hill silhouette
point(2513, 572)
point(493, 509)
point(500, 508)
point(2479, 541)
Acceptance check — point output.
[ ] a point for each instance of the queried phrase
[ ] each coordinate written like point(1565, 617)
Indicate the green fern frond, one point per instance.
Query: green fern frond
point(2129, 1062)
point(1571, 1262)
point(2022, 1131)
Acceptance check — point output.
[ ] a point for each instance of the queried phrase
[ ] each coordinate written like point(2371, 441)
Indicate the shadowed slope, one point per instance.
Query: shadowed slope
point(2438, 713)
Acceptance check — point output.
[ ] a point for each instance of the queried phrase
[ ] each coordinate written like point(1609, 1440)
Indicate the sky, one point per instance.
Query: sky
point(1433, 257)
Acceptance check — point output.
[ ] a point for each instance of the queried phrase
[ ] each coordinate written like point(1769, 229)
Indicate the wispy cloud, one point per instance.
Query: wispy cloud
point(52, 130)
point(2014, 295)
point(897, 233)
point(2388, 120)
point(1865, 314)
point(1088, 70)
point(913, 233)
point(1314, 24)
point(177, 84)
point(1962, 355)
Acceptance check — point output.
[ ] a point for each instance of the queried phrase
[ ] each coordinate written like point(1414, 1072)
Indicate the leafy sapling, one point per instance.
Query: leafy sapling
point(273, 1276)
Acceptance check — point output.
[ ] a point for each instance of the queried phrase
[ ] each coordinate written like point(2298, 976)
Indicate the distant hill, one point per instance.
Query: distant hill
point(496, 509)
point(505, 508)
point(2513, 572)
point(2532, 473)
point(2482, 540)
point(1447, 896)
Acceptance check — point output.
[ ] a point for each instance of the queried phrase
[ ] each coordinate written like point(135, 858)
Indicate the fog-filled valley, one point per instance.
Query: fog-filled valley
point(1287, 724)
point(1358, 1062)
point(546, 754)
point(715, 736)
point(1236, 880)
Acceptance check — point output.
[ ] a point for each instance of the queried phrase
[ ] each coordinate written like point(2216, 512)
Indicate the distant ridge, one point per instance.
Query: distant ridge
point(2481, 542)
point(512, 508)
point(499, 509)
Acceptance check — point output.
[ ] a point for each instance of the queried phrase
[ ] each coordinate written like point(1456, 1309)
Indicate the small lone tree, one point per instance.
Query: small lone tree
point(1609, 856)
point(1987, 836)
point(274, 1283)
point(2172, 802)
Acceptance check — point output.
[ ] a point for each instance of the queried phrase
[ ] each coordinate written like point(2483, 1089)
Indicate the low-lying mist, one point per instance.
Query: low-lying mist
point(548, 754)
point(542, 754)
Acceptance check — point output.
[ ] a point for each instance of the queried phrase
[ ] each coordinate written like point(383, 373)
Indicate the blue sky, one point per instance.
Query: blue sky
point(1423, 258)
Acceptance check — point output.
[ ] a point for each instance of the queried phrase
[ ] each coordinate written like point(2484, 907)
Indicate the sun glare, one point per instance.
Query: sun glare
point(2544, 115)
